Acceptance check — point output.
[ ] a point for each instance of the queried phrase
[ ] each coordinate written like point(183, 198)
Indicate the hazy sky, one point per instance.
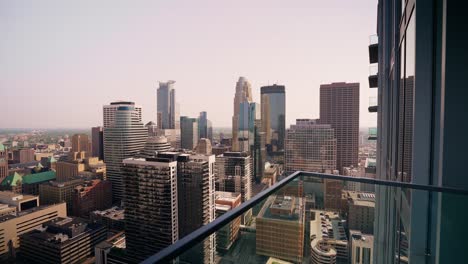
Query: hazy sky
point(61, 61)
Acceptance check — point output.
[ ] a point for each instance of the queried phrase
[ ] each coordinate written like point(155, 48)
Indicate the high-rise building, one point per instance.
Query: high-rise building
point(228, 234)
point(196, 202)
point(81, 143)
point(97, 138)
point(110, 110)
point(167, 107)
point(234, 173)
point(310, 147)
point(189, 132)
point(204, 146)
point(3, 162)
point(151, 215)
point(202, 125)
point(62, 240)
point(155, 145)
point(273, 101)
point(258, 150)
point(243, 95)
point(339, 107)
point(280, 228)
point(125, 138)
point(249, 112)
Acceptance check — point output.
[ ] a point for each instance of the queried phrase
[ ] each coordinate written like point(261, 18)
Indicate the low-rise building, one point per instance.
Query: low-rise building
point(113, 218)
point(56, 192)
point(62, 240)
point(362, 247)
point(91, 195)
point(228, 234)
point(280, 228)
point(26, 184)
point(361, 207)
point(102, 250)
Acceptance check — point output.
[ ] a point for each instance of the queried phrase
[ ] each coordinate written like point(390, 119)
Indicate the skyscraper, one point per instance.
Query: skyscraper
point(189, 132)
point(273, 101)
point(81, 142)
point(110, 110)
point(339, 107)
point(97, 138)
point(203, 125)
point(167, 107)
point(151, 218)
point(196, 202)
point(123, 139)
point(310, 147)
point(243, 94)
point(3, 162)
point(155, 145)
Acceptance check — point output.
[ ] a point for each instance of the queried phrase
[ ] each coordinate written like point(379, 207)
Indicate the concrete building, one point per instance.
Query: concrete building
point(234, 174)
point(14, 225)
point(173, 136)
point(91, 195)
point(361, 247)
point(102, 250)
point(243, 95)
point(228, 234)
point(310, 147)
point(20, 201)
point(54, 192)
point(280, 228)
point(152, 129)
point(189, 132)
point(196, 201)
point(124, 138)
point(361, 211)
point(167, 108)
point(339, 107)
point(273, 101)
point(97, 145)
point(157, 226)
point(62, 240)
point(204, 146)
point(3, 162)
point(113, 218)
point(24, 155)
point(80, 143)
point(155, 145)
point(220, 149)
point(109, 112)
point(91, 166)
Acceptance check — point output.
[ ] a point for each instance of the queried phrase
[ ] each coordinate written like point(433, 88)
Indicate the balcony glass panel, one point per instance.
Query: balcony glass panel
point(310, 219)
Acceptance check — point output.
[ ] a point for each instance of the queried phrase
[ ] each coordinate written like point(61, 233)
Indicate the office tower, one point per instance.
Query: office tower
point(228, 234)
point(196, 202)
point(15, 224)
point(155, 145)
point(81, 143)
point(152, 129)
point(91, 195)
point(23, 155)
point(202, 125)
point(428, 64)
point(339, 107)
point(280, 228)
point(248, 113)
point(110, 110)
point(204, 146)
point(209, 130)
point(57, 192)
point(3, 162)
point(310, 147)
point(166, 106)
point(234, 173)
point(189, 132)
point(329, 243)
point(97, 137)
point(62, 240)
point(258, 151)
point(361, 207)
point(361, 247)
point(273, 101)
point(243, 94)
point(125, 138)
point(151, 218)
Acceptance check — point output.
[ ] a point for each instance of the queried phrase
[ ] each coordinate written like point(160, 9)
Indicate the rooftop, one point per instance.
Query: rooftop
point(361, 198)
point(278, 207)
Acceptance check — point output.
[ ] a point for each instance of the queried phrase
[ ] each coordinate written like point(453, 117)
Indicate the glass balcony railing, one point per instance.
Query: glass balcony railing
point(309, 218)
point(373, 49)
point(372, 133)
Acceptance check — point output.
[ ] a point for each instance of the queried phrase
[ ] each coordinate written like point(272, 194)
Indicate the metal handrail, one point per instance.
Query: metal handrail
point(187, 242)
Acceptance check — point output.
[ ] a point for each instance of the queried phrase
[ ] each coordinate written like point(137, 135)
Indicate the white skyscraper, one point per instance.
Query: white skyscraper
point(243, 95)
point(109, 112)
point(124, 138)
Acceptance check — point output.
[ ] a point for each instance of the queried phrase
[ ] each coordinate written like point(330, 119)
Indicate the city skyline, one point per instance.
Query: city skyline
point(128, 64)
